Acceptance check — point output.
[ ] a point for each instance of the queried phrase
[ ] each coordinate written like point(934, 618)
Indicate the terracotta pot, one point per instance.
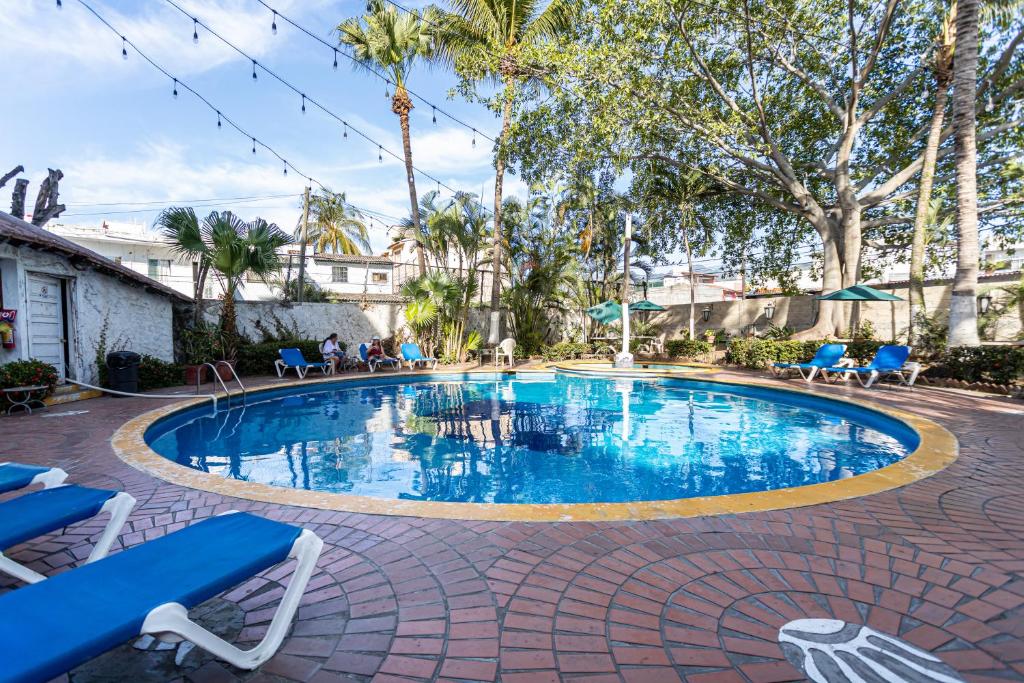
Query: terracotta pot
point(224, 372)
point(193, 373)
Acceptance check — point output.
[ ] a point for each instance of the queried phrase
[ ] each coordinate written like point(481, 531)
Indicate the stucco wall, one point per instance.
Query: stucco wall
point(888, 318)
point(137, 319)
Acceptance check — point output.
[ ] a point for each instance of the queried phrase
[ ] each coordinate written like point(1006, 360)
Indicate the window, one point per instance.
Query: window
point(159, 268)
point(252, 277)
point(339, 273)
point(379, 278)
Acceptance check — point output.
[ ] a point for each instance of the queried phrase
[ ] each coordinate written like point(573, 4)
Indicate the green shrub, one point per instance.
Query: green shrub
point(156, 374)
point(687, 348)
point(32, 372)
point(996, 364)
point(760, 353)
point(258, 359)
point(565, 351)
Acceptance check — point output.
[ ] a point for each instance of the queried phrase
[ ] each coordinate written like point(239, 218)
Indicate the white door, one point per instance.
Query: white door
point(46, 321)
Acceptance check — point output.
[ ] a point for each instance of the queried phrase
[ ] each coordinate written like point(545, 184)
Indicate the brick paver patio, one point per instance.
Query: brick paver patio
point(939, 563)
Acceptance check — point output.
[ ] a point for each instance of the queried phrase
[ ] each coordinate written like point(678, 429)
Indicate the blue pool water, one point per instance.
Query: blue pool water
point(553, 439)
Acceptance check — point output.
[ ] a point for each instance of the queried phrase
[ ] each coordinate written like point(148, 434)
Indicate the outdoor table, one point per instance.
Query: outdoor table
point(24, 397)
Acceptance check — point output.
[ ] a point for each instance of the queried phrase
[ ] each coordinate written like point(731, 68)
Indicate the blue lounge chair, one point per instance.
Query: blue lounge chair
point(53, 626)
point(14, 476)
point(293, 358)
point(826, 356)
point(377, 362)
point(414, 356)
point(889, 361)
point(49, 510)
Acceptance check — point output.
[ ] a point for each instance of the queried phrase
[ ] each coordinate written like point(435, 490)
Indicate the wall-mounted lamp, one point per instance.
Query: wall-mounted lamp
point(984, 301)
point(769, 311)
point(706, 313)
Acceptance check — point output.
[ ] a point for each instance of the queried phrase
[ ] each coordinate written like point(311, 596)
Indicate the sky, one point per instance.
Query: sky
point(129, 148)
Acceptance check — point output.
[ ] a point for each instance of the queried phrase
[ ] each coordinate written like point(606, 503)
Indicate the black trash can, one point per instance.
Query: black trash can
point(123, 371)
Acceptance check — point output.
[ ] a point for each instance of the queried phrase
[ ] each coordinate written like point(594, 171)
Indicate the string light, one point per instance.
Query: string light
point(254, 69)
point(303, 104)
point(286, 168)
point(218, 119)
point(335, 59)
point(59, 5)
point(345, 133)
point(124, 48)
point(434, 114)
point(195, 31)
point(273, 25)
point(254, 145)
point(474, 138)
point(380, 157)
point(175, 93)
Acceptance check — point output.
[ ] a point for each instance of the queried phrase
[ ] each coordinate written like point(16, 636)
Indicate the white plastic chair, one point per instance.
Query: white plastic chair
point(506, 349)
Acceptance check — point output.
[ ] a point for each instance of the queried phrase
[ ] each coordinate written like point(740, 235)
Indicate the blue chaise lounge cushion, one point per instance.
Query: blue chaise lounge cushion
point(35, 514)
point(14, 476)
point(50, 627)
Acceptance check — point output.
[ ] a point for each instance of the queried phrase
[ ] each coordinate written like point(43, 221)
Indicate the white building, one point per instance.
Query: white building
point(64, 296)
point(140, 249)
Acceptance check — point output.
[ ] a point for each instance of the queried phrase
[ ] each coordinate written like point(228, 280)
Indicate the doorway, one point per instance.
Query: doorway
point(48, 314)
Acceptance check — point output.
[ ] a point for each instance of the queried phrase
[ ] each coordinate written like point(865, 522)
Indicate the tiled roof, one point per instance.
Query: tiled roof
point(353, 258)
point(369, 297)
point(18, 232)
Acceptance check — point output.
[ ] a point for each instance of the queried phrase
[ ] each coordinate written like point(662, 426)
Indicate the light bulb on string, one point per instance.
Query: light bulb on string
point(59, 4)
point(434, 115)
point(254, 145)
point(254, 69)
point(273, 24)
point(474, 138)
point(124, 47)
point(344, 133)
point(195, 31)
point(218, 119)
point(175, 93)
point(380, 154)
point(303, 104)
point(286, 168)
point(335, 58)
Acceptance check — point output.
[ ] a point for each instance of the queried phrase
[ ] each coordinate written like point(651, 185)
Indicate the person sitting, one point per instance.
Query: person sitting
point(376, 352)
point(332, 351)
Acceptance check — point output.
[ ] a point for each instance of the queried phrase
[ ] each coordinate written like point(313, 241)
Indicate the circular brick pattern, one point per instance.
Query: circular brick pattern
point(938, 563)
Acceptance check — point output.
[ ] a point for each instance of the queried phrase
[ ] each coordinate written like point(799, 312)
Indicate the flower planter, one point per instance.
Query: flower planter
point(224, 372)
point(195, 374)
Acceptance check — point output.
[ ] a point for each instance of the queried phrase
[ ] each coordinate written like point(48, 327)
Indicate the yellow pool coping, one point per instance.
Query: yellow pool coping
point(937, 450)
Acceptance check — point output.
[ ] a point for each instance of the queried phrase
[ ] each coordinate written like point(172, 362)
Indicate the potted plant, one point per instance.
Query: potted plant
point(197, 348)
point(227, 345)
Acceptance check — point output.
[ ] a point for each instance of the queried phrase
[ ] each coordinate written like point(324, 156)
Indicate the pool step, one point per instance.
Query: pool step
point(69, 393)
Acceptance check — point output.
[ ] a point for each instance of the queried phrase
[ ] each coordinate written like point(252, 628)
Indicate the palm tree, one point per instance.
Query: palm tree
point(334, 226)
point(963, 314)
point(231, 248)
point(486, 38)
point(942, 67)
point(392, 41)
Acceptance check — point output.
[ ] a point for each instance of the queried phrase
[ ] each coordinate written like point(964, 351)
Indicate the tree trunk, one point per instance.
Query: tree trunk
point(402, 105)
point(832, 280)
point(494, 334)
point(924, 194)
point(963, 314)
point(689, 268)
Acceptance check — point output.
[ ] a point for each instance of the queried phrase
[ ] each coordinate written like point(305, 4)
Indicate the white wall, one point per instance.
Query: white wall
point(139, 318)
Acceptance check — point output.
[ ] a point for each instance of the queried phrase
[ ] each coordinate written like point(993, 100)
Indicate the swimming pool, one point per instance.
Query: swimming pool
point(549, 439)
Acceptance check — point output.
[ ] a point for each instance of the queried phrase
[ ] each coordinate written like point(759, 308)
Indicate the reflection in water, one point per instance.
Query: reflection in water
point(567, 439)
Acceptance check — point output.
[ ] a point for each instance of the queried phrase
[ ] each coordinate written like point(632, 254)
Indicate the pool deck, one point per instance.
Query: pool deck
point(939, 562)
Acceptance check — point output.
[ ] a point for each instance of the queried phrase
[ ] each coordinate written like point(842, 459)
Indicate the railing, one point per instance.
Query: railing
point(217, 378)
point(213, 397)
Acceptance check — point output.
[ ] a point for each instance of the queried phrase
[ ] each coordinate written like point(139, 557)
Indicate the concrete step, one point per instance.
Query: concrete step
point(70, 392)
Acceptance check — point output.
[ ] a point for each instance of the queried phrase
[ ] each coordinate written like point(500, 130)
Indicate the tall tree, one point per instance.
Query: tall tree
point(942, 68)
point(963, 314)
point(387, 40)
point(485, 41)
point(334, 225)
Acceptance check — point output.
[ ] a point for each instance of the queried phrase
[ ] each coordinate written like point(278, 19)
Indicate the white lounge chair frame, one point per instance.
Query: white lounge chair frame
point(118, 507)
point(170, 623)
point(906, 375)
point(300, 370)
